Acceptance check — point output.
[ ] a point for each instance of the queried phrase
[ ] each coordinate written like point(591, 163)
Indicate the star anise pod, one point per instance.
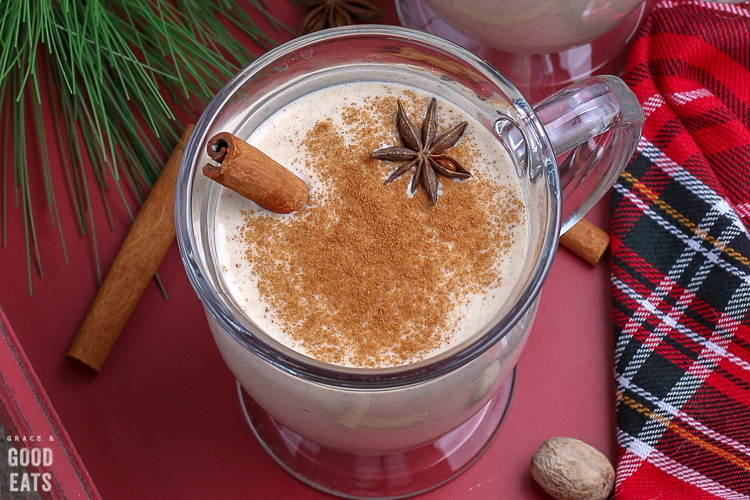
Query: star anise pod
point(425, 150)
point(323, 14)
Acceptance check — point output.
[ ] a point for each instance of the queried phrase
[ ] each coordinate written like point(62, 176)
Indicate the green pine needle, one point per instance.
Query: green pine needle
point(107, 64)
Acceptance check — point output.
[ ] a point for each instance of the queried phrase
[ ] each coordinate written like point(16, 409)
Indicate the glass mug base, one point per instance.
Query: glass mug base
point(537, 75)
point(390, 475)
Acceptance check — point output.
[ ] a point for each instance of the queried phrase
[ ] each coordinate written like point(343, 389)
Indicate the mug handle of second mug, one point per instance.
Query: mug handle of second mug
point(594, 127)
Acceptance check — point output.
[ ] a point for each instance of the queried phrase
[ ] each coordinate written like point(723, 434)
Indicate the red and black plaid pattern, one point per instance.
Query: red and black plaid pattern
point(681, 260)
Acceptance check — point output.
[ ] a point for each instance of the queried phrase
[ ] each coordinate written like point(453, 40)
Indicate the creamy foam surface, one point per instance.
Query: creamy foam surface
point(282, 137)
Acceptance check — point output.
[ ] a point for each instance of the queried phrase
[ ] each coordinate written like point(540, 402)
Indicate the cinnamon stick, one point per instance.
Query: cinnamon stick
point(249, 172)
point(587, 241)
point(144, 248)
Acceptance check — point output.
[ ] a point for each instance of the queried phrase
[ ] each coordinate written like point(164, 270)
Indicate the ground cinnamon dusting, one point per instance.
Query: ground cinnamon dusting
point(364, 274)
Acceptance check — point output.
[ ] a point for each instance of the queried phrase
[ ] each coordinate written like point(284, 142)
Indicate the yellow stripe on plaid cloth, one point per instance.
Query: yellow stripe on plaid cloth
point(683, 433)
point(702, 233)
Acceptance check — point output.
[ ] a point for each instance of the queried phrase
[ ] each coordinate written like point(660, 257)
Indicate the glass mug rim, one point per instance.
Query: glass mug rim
point(308, 368)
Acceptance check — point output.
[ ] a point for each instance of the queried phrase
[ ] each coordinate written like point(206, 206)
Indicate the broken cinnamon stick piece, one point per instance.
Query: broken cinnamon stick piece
point(587, 241)
point(139, 256)
point(249, 172)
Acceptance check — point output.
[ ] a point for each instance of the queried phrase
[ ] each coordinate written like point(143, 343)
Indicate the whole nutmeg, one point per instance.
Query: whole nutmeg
point(569, 469)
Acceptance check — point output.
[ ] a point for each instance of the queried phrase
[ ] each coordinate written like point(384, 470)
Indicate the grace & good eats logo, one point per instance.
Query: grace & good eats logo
point(33, 456)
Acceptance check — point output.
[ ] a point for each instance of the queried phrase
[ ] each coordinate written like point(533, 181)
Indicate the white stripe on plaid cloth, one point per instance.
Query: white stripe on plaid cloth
point(687, 332)
point(682, 98)
point(694, 243)
point(743, 209)
point(630, 462)
point(652, 104)
point(686, 179)
point(677, 99)
point(670, 410)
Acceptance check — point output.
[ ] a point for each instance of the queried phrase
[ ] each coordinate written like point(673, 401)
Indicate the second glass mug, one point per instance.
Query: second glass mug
point(395, 432)
point(536, 26)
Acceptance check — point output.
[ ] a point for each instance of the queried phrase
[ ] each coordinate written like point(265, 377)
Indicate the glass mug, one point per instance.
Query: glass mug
point(398, 431)
point(534, 26)
point(540, 45)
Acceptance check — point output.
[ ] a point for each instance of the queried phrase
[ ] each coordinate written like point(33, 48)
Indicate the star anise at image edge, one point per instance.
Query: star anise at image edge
point(322, 14)
point(424, 149)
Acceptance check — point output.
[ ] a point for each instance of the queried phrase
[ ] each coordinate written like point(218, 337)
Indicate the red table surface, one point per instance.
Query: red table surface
point(162, 420)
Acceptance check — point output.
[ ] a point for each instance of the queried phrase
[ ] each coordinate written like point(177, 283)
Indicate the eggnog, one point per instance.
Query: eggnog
point(369, 274)
point(534, 26)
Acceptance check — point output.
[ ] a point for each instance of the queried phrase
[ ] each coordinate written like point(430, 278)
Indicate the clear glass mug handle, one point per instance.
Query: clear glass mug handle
point(594, 127)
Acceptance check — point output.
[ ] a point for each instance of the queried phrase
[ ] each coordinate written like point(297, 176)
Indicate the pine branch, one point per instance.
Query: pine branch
point(109, 63)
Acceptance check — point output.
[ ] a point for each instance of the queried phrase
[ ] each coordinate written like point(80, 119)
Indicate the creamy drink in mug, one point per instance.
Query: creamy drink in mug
point(369, 274)
point(535, 26)
point(373, 330)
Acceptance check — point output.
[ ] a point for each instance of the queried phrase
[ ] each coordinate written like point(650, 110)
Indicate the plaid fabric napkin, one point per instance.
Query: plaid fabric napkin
point(681, 260)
